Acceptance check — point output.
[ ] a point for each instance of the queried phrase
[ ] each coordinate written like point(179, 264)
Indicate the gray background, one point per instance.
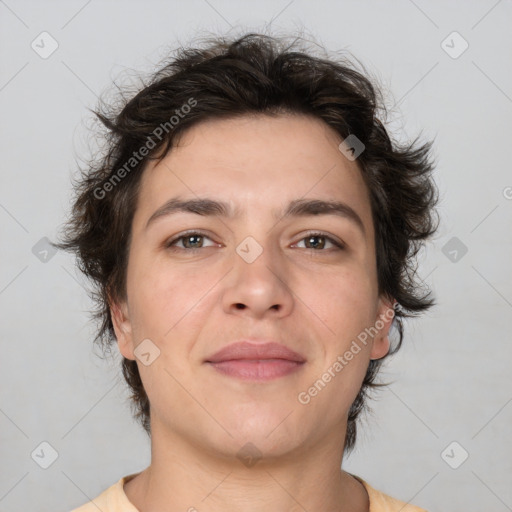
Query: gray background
point(453, 374)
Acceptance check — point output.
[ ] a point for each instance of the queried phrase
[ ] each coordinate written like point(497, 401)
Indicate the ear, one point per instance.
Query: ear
point(122, 328)
point(383, 321)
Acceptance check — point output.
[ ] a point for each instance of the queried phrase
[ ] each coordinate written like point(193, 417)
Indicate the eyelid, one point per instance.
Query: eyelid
point(337, 242)
point(169, 242)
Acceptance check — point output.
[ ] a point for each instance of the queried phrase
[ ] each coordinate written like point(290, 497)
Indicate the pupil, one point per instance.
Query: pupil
point(194, 239)
point(312, 238)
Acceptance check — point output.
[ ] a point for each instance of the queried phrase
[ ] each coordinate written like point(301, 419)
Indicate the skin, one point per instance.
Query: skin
point(315, 299)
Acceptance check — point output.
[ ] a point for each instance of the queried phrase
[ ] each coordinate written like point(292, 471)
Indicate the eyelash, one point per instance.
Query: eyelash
point(170, 244)
point(338, 245)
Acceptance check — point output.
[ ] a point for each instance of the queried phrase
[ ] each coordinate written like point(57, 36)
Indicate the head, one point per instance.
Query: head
point(251, 137)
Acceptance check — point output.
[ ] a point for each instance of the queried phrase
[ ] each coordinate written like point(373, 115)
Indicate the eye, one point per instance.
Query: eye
point(189, 241)
point(318, 241)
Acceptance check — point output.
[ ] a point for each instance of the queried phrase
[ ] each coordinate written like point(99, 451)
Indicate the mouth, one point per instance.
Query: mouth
point(256, 361)
point(260, 369)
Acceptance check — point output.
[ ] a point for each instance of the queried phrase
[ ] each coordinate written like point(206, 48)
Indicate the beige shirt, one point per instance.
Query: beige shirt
point(115, 500)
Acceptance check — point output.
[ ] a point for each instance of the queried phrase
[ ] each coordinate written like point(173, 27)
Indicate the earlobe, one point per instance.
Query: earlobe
point(385, 315)
point(380, 347)
point(122, 329)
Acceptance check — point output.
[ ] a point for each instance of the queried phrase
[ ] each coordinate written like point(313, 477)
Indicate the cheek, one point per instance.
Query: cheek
point(162, 297)
point(344, 300)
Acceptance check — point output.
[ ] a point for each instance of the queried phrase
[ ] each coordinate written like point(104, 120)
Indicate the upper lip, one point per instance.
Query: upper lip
point(253, 351)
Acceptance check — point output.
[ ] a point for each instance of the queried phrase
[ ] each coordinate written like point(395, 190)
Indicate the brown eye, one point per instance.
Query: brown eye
point(189, 241)
point(318, 241)
point(192, 241)
point(315, 242)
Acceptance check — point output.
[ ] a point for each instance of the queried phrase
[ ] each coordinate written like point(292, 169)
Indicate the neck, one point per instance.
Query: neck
point(184, 477)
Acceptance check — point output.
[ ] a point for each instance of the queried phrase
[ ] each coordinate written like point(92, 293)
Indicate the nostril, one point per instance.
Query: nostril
point(240, 306)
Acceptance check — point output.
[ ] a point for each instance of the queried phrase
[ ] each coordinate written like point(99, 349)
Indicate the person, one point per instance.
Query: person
point(251, 231)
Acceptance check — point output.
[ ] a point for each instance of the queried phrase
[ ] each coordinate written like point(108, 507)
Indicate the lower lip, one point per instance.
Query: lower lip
point(262, 369)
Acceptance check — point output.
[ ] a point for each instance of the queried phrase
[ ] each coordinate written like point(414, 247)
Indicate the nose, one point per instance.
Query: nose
point(258, 289)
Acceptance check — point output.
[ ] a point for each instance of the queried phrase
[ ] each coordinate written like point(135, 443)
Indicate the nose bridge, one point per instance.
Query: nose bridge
point(258, 282)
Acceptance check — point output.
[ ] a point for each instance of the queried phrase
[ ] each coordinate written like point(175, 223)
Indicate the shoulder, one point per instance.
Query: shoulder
point(380, 502)
point(112, 499)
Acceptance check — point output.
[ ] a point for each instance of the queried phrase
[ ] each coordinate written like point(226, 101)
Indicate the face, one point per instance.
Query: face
point(272, 266)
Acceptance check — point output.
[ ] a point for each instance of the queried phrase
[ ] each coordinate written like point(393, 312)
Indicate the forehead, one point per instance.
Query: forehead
point(256, 163)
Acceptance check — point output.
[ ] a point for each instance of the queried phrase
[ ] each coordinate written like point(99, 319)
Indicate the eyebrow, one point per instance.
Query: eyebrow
point(296, 208)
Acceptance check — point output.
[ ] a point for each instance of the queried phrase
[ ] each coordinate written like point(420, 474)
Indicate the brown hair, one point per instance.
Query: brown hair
point(223, 78)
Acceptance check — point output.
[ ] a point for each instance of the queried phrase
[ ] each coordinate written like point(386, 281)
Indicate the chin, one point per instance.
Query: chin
point(267, 428)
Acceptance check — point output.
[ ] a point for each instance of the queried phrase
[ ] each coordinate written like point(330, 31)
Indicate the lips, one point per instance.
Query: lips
point(256, 361)
point(244, 350)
